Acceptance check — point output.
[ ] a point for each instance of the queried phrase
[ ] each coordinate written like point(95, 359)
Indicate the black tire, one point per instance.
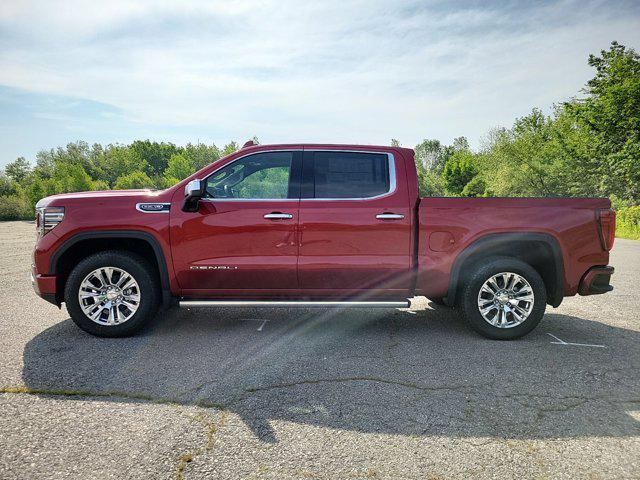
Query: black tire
point(133, 264)
point(468, 299)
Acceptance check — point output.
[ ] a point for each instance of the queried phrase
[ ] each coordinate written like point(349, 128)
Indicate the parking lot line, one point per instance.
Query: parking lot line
point(562, 342)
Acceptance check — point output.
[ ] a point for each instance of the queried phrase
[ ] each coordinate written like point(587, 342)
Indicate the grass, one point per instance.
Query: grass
point(628, 222)
point(624, 231)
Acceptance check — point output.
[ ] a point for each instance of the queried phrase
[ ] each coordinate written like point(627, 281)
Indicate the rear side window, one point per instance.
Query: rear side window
point(350, 174)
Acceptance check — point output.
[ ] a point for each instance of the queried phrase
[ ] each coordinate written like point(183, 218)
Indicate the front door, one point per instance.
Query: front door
point(355, 225)
point(243, 240)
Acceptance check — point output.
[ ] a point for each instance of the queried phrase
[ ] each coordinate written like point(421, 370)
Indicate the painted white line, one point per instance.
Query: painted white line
point(562, 342)
point(262, 325)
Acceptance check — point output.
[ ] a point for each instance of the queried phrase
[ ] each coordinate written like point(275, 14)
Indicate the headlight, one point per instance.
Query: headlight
point(47, 218)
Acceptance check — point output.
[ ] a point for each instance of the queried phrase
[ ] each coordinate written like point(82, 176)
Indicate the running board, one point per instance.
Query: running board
point(293, 303)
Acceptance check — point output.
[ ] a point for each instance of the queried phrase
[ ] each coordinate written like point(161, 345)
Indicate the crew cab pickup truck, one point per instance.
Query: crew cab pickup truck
point(316, 225)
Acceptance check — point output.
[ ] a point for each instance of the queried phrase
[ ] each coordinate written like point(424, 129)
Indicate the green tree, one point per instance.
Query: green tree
point(69, 177)
point(610, 115)
point(14, 207)
point(430, 184)
point(156, 155)
point(459, 170)
point(39, 188)
point(460, 143)
point(201, 155)
point(230, 148)
point(133, 180)
point(178, 169)
point(18, 169)
point(45, 164)
point(524, 160)
point(7, 186)
point(116, 161)
point(476, 187)
point(429, 154)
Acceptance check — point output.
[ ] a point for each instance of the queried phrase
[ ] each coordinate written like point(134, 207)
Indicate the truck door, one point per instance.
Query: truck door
point(355, 225)
point(243, 240)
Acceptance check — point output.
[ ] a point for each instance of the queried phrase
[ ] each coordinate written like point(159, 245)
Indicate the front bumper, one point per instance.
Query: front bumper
point(44, 286)
point(596, 281)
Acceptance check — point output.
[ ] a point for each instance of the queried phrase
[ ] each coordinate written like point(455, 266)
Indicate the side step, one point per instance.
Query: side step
point(294, 303)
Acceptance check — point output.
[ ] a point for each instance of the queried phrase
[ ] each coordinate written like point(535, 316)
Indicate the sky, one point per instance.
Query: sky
point(289, 71)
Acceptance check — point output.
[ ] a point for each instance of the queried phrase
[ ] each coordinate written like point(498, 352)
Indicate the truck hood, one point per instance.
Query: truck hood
point(100, 195)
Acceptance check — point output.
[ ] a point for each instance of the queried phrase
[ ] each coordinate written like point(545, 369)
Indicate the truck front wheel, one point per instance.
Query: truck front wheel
point(111, 293)
point(504, 298)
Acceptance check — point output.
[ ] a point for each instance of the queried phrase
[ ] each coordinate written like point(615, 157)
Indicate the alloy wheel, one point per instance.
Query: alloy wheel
point(505, 300)
point(109, 296)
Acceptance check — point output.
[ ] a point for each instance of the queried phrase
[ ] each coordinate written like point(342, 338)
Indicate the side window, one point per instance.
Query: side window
point(260, 176)
point(350, 174)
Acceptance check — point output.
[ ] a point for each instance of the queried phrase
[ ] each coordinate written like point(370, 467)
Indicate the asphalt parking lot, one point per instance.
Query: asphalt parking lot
point(323, 394)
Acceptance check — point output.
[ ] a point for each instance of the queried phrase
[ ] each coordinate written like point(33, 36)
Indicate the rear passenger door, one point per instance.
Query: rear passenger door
point(355, 225)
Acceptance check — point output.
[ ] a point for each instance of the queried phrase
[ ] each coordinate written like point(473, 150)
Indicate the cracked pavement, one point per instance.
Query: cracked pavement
point(318, 393)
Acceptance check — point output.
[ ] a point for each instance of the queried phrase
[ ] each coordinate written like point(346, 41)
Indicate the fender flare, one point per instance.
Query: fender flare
point(107, 234)
point(492, 242)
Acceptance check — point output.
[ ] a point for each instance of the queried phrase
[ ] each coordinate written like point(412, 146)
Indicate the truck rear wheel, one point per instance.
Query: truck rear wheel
point(111, 294)
point(504, 299)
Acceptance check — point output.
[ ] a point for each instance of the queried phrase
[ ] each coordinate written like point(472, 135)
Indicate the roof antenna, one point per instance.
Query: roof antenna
point(250, 143)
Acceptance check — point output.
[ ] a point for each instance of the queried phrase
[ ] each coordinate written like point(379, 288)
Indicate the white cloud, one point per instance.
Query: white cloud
point(319, 71)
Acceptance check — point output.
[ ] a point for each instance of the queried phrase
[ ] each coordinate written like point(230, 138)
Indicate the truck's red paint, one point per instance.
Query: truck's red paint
point(344, 247)
point(329, 248)
point(570, 222)
point(259, 252)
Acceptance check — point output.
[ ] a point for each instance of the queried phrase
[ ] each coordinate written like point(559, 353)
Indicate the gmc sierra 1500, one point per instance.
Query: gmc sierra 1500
point(316, 225)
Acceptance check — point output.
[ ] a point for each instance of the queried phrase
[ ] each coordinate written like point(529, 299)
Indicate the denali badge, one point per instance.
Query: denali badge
point(212, 267)
point(153, 207)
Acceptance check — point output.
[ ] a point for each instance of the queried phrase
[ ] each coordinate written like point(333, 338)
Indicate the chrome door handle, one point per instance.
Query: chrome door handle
point(278, 216)
point(389, 216)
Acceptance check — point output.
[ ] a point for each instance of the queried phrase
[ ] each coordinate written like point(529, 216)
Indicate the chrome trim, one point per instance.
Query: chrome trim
point(278, 216)
point(506, 300)
point(389, 216)
point(292, 303)
point(99, 294)
point(249, 199)
point(392, 177)
point(47, 218)
point(153, 203)
point(192, 186)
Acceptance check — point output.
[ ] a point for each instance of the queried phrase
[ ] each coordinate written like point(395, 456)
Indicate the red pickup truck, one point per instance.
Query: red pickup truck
point(316, 225)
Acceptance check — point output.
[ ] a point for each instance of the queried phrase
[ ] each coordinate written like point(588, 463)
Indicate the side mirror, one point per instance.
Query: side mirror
point(193, 192)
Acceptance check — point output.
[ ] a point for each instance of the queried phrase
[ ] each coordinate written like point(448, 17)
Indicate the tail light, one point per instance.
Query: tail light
point(606, 227)
point(47, 218)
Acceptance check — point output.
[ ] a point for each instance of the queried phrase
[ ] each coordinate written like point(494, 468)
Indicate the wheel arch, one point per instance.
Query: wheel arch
point(540, 250)
point(86, 243)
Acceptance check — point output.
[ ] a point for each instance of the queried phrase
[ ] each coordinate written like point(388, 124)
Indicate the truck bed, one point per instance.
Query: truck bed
point(449, 226)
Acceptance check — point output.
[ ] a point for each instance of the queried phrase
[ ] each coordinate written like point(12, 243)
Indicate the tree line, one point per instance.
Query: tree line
point(588, 146)
point(81, 167)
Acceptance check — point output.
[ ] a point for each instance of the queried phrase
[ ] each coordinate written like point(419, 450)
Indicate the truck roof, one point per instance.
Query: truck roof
point(332, 146)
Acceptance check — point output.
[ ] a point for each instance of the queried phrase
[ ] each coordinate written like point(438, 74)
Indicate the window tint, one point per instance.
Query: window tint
point(350, 175)
point(259, 176)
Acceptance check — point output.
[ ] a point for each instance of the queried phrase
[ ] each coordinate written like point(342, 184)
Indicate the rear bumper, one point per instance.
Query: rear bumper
point(44, 286)
point(596, 281)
